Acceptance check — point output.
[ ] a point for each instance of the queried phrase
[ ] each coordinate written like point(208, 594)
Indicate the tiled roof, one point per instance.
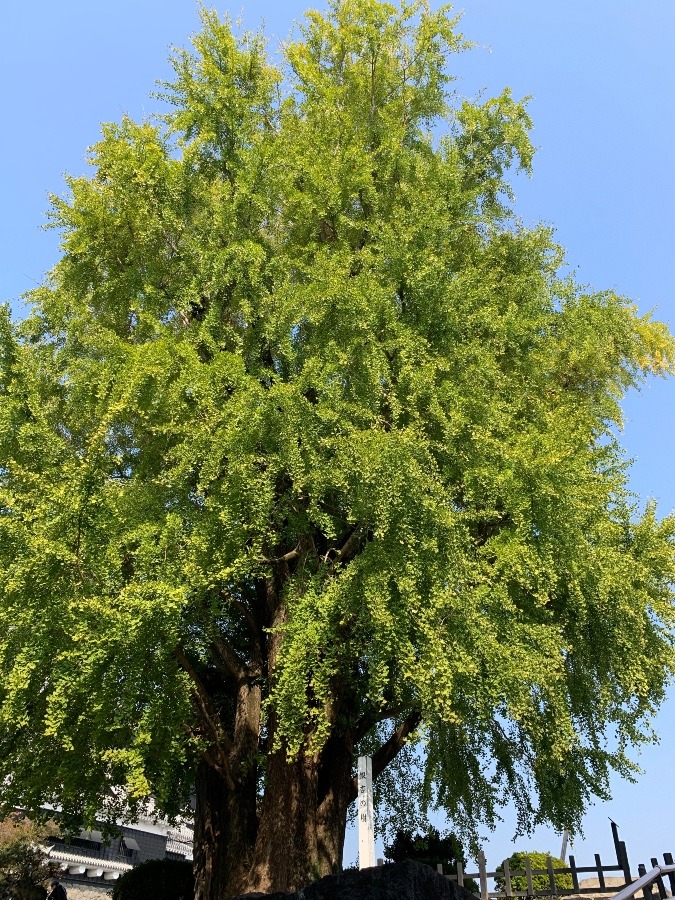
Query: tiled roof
point(91, 862)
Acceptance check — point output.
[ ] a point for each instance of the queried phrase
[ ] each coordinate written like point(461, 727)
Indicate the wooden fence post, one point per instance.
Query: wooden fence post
point(621, 854)
point(482, 872)
point(507, 879)
point(624, 863)
point(617, 843)
point(668, 860)
point(460, 873)
point(551, 877)
point(528, 876)
point(659, 881)
point(575, 874)
point(601, 874)
point(647, 889)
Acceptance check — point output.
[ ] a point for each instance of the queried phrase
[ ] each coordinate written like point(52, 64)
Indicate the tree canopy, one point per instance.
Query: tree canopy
point(309, 445)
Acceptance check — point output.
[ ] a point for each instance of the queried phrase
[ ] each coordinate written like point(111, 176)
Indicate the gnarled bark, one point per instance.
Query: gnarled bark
point(295, 833)
point(286, 849)
point(297, 837)
point(225, 831)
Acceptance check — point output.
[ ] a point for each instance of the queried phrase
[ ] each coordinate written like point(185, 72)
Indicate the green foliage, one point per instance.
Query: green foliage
point(23, 868)
point(538, 861)
point(431, 849)
point(302, 381)
point(156, 879)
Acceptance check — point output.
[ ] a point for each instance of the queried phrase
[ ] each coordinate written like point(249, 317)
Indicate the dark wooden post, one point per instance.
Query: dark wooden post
point(668, 860)
point(617, 842)
point(551, 876)
point(601, 874)
point(575, 874)
point(647, 889)
point(659, 881)
point(625, 863)
point(621, 853)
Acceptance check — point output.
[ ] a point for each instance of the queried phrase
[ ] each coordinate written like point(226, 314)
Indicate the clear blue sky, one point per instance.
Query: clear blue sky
point(601, 74)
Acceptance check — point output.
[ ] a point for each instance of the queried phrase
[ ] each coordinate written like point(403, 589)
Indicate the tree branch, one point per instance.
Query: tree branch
point(209, 716)
point(389, 749)
point(367, 721)
point(226, 654)
point(348, 550)
point(246, 613)
point(287, 557)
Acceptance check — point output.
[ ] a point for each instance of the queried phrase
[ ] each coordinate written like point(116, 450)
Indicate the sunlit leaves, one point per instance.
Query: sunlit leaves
point(298, 348)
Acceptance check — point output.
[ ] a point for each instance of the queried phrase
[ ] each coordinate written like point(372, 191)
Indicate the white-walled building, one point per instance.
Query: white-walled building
point(94, 860)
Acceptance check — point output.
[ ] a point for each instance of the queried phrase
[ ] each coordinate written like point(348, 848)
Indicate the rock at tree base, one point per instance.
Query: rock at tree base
point(399, 881)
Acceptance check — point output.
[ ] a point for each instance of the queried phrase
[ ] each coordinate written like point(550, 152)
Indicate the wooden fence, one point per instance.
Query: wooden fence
point(621, 867)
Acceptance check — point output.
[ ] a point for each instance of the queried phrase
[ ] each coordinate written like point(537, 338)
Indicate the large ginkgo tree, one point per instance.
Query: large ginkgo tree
point(308, 449)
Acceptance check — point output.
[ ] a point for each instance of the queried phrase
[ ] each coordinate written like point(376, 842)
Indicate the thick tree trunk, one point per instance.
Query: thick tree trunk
point(335, 794)
point(224, 836)
point(286, 850)
point(300, 831)
point(295, 834)
point(211, 820)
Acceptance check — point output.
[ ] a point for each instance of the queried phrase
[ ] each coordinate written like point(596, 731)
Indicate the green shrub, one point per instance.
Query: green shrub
point(539, 882)
point(157, 879)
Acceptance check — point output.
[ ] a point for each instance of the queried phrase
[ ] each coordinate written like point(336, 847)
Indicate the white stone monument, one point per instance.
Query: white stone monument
point(365, 813)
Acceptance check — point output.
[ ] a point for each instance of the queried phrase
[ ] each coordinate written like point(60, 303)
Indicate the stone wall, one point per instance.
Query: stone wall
point(87, 891)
